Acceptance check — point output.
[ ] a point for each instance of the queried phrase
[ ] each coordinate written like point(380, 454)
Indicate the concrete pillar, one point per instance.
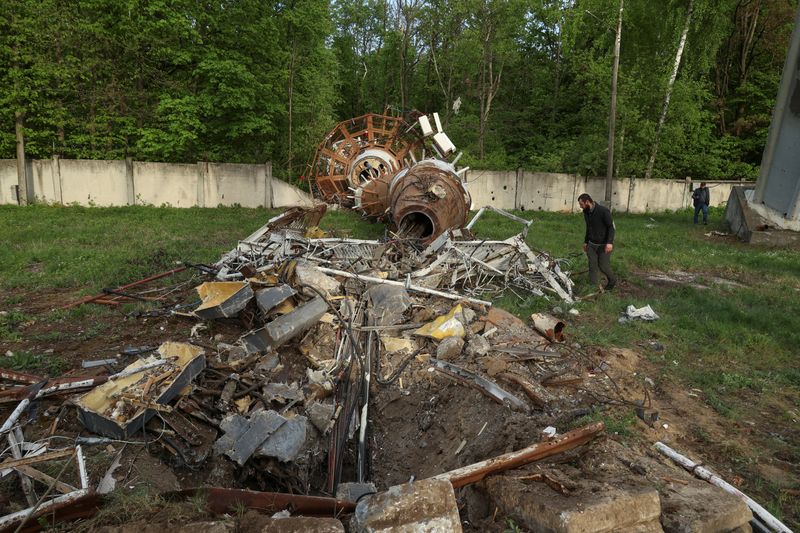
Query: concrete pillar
point(268, 194)
point(58, 188)
point(129, 181)
point(631, 191)
point(518, 187)
point(202, 177)
point(22, 175)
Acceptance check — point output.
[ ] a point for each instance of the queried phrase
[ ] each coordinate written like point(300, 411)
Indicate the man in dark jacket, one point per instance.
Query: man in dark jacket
point(599, 240)
point(701, 199)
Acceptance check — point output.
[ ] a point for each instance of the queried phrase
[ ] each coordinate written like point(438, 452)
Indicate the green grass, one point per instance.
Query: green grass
point(72, 247)
point(9, 321)
point(52, 365)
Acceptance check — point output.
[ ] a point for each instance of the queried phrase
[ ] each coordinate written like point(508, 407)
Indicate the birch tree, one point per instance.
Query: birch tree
point(676, 64)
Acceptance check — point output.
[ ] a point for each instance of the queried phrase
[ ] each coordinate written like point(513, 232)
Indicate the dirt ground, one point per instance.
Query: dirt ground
point(423, 424)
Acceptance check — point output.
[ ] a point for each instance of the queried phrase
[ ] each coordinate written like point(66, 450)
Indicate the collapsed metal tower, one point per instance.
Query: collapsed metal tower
point(395, 170)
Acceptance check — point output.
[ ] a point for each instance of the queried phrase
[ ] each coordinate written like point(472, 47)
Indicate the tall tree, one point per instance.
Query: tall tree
point(670, 84)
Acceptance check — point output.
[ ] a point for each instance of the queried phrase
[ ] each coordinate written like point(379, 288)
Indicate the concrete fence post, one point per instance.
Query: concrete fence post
point(268, 194)
point(517, 187)
point(202, 177)
point(131, 187)
point(631, 192)
point(58, 186)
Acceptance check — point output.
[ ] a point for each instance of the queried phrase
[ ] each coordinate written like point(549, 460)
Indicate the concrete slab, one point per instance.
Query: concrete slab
point(423, 506)
point(702, 508)
point(593, 507)
point(753, 228)
point(353, 491)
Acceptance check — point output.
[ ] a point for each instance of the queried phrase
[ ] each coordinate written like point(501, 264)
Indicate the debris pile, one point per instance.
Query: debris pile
point(455, 265)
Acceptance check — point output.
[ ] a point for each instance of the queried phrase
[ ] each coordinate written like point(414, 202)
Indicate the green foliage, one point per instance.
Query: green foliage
point(250, 81)
point(9, 321)
point(52, 365)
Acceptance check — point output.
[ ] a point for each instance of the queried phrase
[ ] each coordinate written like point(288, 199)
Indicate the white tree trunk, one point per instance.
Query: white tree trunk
point(651, 163)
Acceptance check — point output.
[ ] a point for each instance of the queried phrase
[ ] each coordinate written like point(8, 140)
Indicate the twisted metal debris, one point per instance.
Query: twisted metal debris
point(455, 262)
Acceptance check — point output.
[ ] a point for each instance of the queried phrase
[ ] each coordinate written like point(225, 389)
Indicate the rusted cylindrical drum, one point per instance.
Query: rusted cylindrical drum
point(427, 199)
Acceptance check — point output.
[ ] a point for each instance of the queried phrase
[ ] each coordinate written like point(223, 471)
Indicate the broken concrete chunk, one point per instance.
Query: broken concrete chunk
point(352, 492)
point(286, 327)
point(428, 505)
point(450, 348)
point(477, 346)
point(269, 298)
point(320, 382)
point(597, 507)
point(700, 507)
point(467, 316)
point(282, 393)
point(302, 524)
point(222, 299)
point(287, 441)
point(306, 274)
point(321, 416)
point(397, 344)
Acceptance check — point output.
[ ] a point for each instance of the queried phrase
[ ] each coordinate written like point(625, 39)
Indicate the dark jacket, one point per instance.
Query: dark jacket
point(599, 225)
point(701, 196)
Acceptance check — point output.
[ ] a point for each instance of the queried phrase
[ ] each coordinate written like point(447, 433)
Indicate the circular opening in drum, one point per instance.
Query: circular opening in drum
point(416, 225)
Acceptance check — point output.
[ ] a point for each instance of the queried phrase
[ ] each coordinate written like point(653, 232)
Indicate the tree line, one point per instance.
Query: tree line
point(517, 83)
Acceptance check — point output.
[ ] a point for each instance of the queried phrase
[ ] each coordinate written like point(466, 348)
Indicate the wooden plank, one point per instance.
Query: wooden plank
point(32, 473)
point(49, 456)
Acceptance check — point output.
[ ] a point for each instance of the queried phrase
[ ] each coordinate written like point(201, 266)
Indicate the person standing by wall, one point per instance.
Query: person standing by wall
point(701, 198)
point(598, 243)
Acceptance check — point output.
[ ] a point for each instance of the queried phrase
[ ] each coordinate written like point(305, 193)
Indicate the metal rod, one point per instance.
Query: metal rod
point(89, 299)
point(711, 477)
point(408, 286)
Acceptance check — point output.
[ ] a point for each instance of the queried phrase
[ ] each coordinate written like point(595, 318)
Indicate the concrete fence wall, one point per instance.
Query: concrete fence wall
point(542, 191)
point(127, 182)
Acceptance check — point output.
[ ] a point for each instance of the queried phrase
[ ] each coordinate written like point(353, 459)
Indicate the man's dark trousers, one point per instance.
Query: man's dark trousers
point(600, 260)
point(697, 210)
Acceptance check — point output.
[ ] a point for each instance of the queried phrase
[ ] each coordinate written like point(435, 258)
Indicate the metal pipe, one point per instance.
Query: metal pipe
point(711, 477)
point(407, 285)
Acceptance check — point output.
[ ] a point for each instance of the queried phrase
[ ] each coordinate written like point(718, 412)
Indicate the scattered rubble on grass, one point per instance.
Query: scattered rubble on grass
point(342, 367)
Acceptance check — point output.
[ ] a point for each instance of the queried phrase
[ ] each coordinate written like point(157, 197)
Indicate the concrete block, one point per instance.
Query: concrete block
point(423, 506)
point(702, 508)
point(303, 524)
point(593, 507)
point(351, 492)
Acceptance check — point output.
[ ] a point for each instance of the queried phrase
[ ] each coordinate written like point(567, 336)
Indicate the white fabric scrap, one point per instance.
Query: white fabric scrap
point(643, 313)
